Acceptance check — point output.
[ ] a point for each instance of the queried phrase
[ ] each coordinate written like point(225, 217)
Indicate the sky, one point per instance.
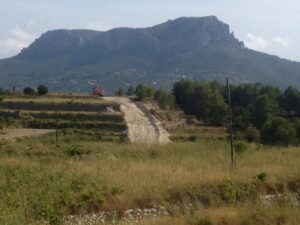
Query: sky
point(270, 26)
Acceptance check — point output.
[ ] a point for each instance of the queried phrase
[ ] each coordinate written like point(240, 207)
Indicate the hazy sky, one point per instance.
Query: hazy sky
point(270, 26)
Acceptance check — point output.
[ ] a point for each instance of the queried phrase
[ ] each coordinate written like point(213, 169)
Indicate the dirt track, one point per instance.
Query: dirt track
point(143, 128)
point(13, 134)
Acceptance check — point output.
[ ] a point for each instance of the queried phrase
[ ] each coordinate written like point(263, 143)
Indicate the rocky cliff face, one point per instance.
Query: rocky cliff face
point(180, 35)
point(184, 48)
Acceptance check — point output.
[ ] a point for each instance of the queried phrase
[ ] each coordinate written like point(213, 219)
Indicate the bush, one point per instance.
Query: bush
point(279, 132)
point(76, 150)
point(192, 138)
point(29, 91)
point(42, 90)
point(252, 134)
point(262, 177)
point(240, 147)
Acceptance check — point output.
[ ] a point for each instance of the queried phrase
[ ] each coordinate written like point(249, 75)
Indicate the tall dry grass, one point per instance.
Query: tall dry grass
point(129, 176)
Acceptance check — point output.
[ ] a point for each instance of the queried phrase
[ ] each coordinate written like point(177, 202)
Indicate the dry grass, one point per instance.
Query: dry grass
point(151, 172)
point(143, 176)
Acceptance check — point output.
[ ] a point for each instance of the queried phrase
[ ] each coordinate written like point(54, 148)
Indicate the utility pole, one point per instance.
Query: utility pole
point(230, 123)
point(56, 127)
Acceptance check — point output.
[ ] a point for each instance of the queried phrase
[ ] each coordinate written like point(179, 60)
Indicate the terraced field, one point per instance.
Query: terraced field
point(81, 114)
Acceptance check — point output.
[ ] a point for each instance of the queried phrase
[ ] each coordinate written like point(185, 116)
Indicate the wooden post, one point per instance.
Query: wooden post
point(230, 124)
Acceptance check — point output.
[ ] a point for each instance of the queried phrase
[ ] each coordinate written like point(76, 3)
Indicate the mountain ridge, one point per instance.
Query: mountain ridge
point(184, 48)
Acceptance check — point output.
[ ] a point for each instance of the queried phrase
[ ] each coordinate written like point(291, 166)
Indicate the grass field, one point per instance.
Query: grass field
point(94, 169)
point(40, 181)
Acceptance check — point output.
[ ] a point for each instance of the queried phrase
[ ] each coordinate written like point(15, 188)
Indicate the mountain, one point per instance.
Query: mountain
point(184, 48)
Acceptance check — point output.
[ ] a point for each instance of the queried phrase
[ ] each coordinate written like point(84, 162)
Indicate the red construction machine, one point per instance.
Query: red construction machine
point(98, 91)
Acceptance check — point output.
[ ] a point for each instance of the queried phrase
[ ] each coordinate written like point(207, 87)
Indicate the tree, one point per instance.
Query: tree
point(165, 99)
point(120, 92)
point(2, 93)
point(291, 100)
point(42, 90)
point(130, 91)
point(204, 100)
point(143, 92)
point(217, 110)
point(278, 131)
point(29, 91)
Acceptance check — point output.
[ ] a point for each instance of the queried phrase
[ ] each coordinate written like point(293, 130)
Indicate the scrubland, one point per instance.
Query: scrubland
point(44, 181)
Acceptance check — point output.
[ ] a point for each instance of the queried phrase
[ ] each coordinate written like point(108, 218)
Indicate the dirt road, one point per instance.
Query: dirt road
point(143, 128)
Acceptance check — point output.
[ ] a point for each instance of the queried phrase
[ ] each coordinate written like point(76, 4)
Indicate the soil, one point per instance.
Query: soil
point(143, 128)
point(13, 134)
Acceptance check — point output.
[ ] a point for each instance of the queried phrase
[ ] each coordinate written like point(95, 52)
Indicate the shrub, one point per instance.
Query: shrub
point(240, 147)
point(192, 138)
point(42, 90)
point(252, 134)
point(76, 150)
point(29, 91)
point(262, 177)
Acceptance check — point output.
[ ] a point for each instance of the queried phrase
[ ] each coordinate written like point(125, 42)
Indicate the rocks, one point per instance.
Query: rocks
point(131, 216)
point(270, 199)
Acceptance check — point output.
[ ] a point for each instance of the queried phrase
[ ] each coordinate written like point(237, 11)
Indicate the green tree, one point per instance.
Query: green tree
point(183, 92)
point(120, 92)
point(29, 91)
point(2, 93)
point(217, 109)
point(164, 98)
point(201, 99)
point(278, 131)
point(291, 100)
point(130, 91)
point(142, 92)
point(42, 90)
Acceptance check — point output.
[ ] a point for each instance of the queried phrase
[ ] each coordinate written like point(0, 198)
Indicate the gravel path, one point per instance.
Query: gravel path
point(143, 128)
point(13, 134)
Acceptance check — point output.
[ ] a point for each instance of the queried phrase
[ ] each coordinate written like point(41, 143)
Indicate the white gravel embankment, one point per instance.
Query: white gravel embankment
point(143, 128)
